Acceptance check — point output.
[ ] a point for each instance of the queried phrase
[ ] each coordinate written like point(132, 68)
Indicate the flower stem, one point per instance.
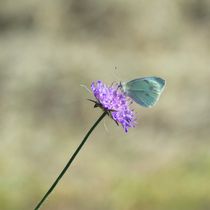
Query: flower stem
point(69, 162)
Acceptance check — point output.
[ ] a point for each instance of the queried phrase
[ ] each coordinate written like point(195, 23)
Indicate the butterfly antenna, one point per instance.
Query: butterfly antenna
point(115, 75)
point(86, 88)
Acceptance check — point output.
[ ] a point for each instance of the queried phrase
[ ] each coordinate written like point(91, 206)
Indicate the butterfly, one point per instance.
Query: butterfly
point(144, 91)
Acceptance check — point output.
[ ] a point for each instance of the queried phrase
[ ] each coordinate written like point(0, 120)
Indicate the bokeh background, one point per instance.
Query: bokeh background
point(48, 48)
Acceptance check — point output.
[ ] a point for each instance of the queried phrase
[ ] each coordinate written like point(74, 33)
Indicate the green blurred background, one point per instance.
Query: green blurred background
point(48, 48)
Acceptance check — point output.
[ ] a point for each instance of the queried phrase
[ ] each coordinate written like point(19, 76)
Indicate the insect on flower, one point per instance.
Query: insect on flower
point(116, 99)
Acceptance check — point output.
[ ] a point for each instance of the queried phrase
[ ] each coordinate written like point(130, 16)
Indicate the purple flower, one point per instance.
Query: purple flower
point(114, 101)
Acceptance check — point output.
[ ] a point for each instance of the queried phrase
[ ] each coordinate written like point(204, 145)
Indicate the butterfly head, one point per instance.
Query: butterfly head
point(122, 86)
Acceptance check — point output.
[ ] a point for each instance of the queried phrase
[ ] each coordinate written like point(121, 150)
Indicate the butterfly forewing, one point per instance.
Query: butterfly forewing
point(145, 91)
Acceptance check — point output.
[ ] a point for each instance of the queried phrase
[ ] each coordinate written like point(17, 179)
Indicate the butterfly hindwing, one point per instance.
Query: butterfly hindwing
point(145, 91)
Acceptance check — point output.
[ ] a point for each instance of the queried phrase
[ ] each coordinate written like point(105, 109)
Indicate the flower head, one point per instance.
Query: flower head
point(114, 101)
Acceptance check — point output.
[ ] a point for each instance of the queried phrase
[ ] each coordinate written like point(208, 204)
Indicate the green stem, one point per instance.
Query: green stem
point(69, 162)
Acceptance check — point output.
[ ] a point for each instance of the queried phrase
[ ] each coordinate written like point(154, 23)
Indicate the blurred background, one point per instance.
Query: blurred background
point(48, 48)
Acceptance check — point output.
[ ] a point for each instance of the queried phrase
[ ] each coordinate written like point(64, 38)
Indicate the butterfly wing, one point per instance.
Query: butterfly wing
point(145, 91)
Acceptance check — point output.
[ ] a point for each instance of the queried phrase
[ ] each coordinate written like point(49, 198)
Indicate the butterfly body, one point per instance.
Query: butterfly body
point(144, 91)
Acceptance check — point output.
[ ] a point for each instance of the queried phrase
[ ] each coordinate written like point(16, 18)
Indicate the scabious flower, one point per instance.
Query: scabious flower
point(114, 101)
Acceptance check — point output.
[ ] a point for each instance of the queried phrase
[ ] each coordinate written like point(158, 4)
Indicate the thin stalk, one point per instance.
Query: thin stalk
point(69, 162)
